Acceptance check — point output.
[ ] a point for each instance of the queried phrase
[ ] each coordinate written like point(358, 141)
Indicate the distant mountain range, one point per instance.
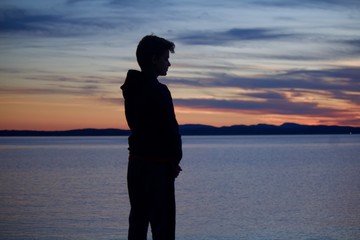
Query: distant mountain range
point(199, 129)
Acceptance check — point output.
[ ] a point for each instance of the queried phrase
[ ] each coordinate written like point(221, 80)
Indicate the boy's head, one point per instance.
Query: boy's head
point(152, 54)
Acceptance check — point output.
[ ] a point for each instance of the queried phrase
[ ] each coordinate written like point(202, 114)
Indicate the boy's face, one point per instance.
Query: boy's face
point(161, 64)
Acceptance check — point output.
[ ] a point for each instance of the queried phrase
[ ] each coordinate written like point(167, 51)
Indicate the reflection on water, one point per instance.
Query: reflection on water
point(64, 188)
point(232, 187)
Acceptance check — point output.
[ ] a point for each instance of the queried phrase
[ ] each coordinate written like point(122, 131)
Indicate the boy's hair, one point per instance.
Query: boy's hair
point(151, 46)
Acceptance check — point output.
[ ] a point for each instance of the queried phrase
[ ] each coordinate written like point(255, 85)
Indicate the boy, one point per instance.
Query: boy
point(154, 144)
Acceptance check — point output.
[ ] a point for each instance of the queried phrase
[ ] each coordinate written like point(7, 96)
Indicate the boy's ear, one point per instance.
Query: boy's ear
point(154, 59)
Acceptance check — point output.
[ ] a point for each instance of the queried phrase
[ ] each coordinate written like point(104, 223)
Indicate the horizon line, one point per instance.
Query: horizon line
point(187, 124)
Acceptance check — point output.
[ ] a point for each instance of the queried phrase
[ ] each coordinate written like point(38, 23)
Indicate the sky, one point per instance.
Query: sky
point(62, 62)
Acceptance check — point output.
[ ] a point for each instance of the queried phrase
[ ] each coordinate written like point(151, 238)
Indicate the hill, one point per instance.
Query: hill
point(199, 129)
point(266, 129)
point(75, 132)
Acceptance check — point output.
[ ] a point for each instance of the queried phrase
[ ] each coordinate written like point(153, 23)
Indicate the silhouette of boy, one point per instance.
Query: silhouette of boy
point(154, 144)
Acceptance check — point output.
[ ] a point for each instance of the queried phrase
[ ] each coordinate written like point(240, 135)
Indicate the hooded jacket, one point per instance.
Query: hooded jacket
point(151, 118)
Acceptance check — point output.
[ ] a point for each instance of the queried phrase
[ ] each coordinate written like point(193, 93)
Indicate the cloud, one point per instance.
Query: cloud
point(266, 95)
point(345, 79)
point(270, 106)
point(354, 44)
point(60, 85)
point(231, 35)
point(17, 20)
point(271, 93)
point(79, 80)
point(118, 101)
point(342, 79)
point(50, 90)
point(309, 3)
point(71, 2)
point(138, 3)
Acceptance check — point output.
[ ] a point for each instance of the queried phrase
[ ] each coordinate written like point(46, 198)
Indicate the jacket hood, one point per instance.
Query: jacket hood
point(135, 79)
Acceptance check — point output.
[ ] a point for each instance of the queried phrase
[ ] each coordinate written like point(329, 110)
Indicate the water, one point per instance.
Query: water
point(231, 187)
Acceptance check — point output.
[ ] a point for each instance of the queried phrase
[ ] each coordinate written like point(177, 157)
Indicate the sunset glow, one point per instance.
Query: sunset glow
point(236, 62)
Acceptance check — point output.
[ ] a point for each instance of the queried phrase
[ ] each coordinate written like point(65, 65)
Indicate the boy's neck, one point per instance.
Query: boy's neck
point(149, 73)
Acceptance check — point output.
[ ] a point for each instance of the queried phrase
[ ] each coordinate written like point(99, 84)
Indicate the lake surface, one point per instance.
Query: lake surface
point(232, 187)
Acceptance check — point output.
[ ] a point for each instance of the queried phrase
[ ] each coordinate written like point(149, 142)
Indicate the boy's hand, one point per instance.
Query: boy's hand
point(177, 171)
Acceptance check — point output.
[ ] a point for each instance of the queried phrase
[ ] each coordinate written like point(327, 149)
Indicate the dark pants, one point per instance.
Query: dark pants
point(152, 200)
